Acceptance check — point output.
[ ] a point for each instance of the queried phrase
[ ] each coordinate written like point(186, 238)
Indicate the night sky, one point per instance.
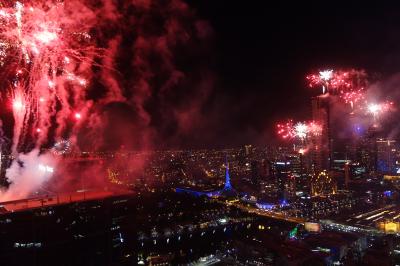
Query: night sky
point(211, 73)
point(262, 53)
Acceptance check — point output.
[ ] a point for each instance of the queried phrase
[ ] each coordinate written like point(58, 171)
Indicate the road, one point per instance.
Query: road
point(270, 214)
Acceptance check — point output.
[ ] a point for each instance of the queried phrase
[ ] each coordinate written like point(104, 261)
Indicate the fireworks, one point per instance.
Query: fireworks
point(18, 105)
point(314, 128)
point(348, 85)
point(45, 54)
point(374, 108)
point(377, 109)
point(326, 75)
point(61, 147)
point(353, 97)
point(78, 116)
point(285, 130)
point(320, 79)
point(45, 168)
point(300, 130)
point(52, 50)
point(302, 151)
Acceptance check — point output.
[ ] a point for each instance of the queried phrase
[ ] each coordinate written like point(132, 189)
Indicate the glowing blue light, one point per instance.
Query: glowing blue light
point(283, 203)
point(387, 193)
point(265, 206)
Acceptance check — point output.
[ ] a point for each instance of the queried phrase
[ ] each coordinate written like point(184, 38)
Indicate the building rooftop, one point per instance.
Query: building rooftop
point(52, 200)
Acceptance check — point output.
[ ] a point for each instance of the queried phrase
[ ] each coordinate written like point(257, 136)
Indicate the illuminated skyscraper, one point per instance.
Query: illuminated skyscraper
point(386, 155)
point(366, 150)
point(321, 144)
point(285, 180)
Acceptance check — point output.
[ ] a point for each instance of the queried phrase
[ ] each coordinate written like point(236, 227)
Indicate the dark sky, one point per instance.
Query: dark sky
point(222, 73)
point(263, 52)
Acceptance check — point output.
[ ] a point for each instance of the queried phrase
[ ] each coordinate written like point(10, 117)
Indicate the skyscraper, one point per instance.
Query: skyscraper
point(285, 181)
point(321, 144)
point(248, 149)
point(386, 155)
point(255, 172)
point(366, 150)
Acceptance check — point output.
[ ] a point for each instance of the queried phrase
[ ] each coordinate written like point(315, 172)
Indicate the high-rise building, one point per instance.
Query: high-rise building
point(265, 168)
point(366, 150)
point(255, 172)
point(286, 183)
point(386, 151)
point(248, 149)
point(346, 175)
point(321, 145)
point(295, 160)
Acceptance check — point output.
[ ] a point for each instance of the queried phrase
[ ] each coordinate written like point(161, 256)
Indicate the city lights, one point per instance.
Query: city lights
point(137, 133)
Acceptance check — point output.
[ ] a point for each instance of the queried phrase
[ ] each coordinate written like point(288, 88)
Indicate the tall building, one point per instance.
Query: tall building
point(386, 152)
point(248, 149)
point(255, 172)
point(321, 144)
point(265, 168)
point(295, 160)
point(366, 150)
point(286, 183)
point(346, 175)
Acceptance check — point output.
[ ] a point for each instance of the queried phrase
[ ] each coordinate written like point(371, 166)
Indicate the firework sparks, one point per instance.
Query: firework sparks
point(326, 75)
point(320, 79)
point(377, 109)
point(314, 128)
point(45, 168)
point(346, 84)
point(46, 55)
point(18, 105)
point(300, 130)
point(285, 130)
point(44, 49)
point(51, 50)
point(353, 97)
point(303, 151)
point(78, 116)
point(61, 147)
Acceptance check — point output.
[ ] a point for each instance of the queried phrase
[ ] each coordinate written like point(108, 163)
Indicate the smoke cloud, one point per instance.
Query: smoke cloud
point(131, 76)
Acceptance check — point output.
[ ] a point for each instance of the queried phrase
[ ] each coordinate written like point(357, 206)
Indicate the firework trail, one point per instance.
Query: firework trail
point(323, 79)
point(286, 130)
point(314, 128)
point(299, 130)
point(353, 97)
point(378, 109)
point(47, 54)
point(348, 85)
point(65, 64)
